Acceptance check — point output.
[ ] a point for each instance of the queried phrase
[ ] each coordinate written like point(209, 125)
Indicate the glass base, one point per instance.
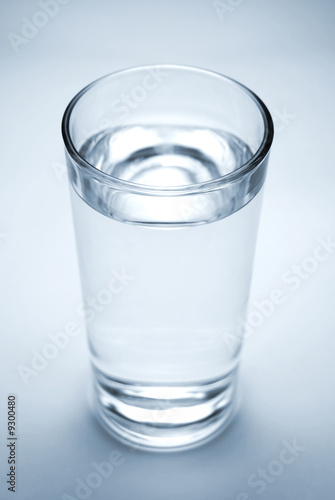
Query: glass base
point(164, 418)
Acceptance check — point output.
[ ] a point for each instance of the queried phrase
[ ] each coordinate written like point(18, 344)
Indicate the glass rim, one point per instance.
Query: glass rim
point(122, 185)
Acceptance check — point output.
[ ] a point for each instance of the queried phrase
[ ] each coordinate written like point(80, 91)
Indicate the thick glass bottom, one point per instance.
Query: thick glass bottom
point(164, 418)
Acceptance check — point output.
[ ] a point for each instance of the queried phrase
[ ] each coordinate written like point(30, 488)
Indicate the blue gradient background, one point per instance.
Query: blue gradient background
point(284, 51)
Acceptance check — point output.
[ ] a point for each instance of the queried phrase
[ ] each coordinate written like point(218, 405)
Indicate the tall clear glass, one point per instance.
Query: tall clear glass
point(166, 166)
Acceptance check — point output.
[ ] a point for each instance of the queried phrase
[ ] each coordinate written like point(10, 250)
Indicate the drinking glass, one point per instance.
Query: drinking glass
point(166, 166)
